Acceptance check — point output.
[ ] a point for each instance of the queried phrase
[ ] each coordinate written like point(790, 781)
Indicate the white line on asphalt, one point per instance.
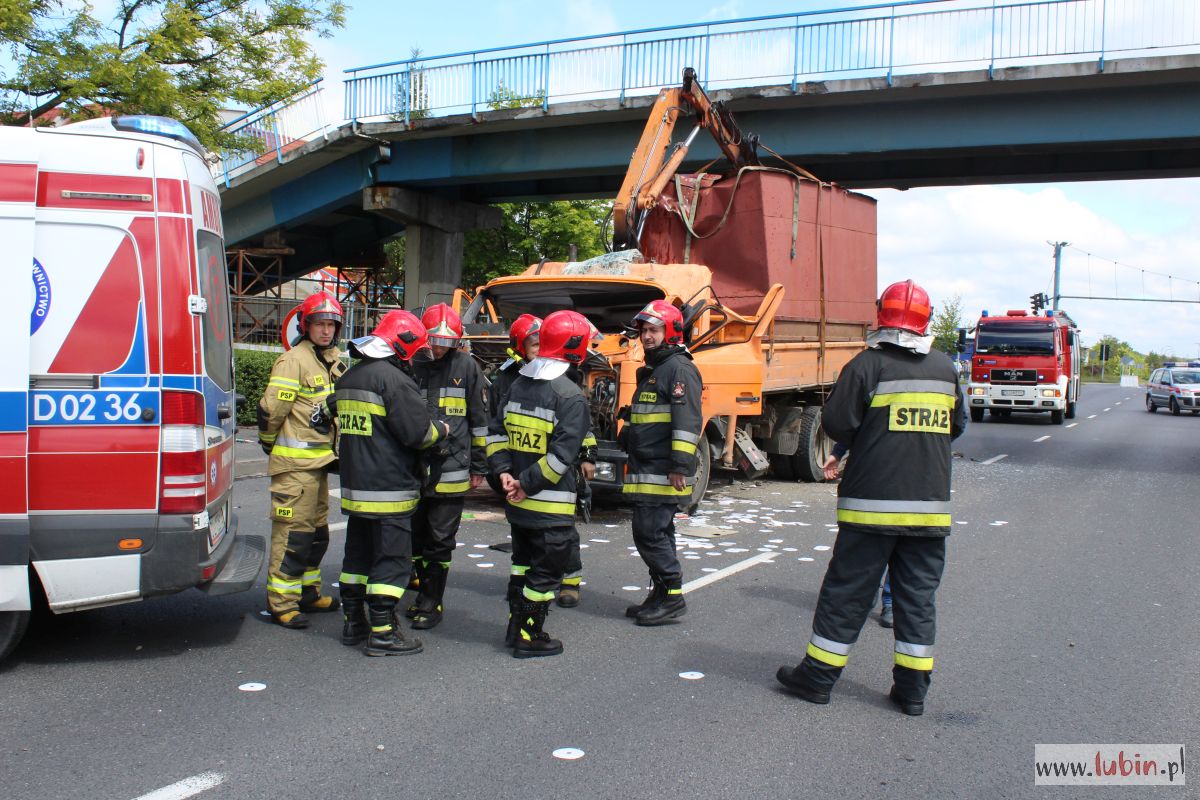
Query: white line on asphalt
point(186, 787)
point(1108, 409)
point(732, 569)
point(337, 526)
point(1073, 424)
point(1042, 438)
point(1091, 416)
point(1118, 402)
point(994, 459)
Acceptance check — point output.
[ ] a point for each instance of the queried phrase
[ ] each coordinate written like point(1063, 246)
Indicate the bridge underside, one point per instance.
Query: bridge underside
point(1066, 122)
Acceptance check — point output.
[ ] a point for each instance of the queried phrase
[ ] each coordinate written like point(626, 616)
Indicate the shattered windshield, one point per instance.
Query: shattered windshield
point(610, 305)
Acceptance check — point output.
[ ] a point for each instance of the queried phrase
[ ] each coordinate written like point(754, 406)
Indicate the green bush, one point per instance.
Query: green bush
point(252, 371)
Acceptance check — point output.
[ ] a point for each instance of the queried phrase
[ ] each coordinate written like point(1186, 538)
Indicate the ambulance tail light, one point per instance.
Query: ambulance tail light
point(183, 475)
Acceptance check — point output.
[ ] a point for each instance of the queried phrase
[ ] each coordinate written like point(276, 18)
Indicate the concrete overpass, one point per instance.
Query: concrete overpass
point(335, 200)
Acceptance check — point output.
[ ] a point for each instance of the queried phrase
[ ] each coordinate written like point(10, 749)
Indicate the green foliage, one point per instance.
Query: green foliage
point(412, 90)
point(504, 97)
point(186, 59)
point(530, 232)
point(252, 370)
point(947, 319)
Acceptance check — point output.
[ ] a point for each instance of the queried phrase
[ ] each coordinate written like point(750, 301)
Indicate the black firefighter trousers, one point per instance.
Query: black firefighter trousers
point(540, 558)
point(848, 594)
point(654, 535)
point(435, 529)
point(378, 557)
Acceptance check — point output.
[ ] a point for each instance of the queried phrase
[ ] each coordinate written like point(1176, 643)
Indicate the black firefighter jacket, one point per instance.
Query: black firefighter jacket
point(535, 437)
point(662, 434)
point(383, 426)
point(897, 411)
point(452, 388)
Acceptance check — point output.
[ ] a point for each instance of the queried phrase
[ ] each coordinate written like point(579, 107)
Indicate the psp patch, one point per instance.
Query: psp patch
point(914, 418)
point(678, 390)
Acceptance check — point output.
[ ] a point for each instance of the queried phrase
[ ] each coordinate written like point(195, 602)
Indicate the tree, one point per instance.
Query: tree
point(946, 321)
point(504, 97)
point(186, 59)
point(530, 232)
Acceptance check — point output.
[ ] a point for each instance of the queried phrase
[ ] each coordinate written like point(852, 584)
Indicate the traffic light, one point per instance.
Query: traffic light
point(1038, 301)
point(1104, 352)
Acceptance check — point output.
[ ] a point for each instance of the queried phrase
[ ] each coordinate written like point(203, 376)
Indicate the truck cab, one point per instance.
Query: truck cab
point(1025, 363)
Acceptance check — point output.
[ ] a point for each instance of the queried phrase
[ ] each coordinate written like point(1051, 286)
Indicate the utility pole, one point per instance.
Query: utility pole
point(1058, 247)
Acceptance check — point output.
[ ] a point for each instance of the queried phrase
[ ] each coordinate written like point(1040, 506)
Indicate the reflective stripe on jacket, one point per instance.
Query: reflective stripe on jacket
point(383, 426)
point(898, 412)
point(300, 380)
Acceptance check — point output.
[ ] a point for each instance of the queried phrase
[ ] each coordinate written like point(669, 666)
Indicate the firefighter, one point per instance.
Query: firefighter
point(897, 406)
point(297, 435)
point(452, 386)
point(532, 444)
point(661, 435)
point(383, 427)
point(522, 348)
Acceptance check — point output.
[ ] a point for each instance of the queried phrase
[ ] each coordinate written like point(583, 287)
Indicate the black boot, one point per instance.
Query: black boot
point(429, 601)
point(532, 641)
point(386, 638)
point(355, 627)
point(415, 582)
point(669, 606)
point(516, 584)
point(655, 596)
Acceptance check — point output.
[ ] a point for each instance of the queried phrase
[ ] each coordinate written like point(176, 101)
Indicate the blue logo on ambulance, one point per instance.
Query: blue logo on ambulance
point(41, 297)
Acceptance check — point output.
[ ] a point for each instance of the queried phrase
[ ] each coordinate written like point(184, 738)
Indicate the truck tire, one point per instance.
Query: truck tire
point(1056, 417)
point(781, 467)
point(814, 447)
point(1070, 410)
point(12, 628)
point(703, 472)
point(976, 415)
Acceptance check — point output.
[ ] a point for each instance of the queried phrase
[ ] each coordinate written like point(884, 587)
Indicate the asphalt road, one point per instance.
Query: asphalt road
point(1067, 615)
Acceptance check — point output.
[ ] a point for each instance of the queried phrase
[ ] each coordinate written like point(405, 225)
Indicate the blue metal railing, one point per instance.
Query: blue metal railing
point(275, 130)
point(865, 41)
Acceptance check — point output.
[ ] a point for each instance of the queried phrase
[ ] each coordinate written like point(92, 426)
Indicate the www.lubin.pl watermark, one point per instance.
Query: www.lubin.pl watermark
point(1108, 765)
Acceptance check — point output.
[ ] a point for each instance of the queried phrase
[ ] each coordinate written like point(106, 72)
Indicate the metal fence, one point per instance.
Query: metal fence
point(275, 130)
point(864, 41)
point(258, 320)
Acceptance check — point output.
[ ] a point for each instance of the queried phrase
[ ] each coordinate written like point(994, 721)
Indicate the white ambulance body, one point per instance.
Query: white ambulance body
point(117, 412)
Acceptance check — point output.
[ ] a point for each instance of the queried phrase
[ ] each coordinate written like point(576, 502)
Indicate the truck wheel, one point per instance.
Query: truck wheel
point(703, 471)
point(1150, 405)
point(12, 628)
point(1174, 406)
point(1056, 417)
point(1071, 410)
point(976, 415)
point(814, 447)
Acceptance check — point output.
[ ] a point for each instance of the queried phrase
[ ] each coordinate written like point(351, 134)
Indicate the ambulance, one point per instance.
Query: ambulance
point(117, 404)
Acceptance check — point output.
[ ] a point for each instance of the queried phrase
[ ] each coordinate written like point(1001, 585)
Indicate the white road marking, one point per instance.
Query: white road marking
point(1118, 402)
point(1042, 438)
point(1091, 416)
point(337, 526)
point(732, 569)
point(1073, 424)
point(1108, 409)
point(186, 787)
point(994, 459)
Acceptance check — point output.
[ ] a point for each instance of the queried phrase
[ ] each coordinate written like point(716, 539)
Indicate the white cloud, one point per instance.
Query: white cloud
point(989, 245)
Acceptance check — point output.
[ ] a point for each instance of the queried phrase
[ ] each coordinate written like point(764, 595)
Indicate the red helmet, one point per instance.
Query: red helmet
point(444, 326)
point(565, 336)
point(906, 306)
point(321, 305)
point(402, 332)
point(660, 312)
point(525, 326)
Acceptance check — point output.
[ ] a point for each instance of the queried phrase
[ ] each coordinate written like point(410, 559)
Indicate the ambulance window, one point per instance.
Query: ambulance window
point(216, 324)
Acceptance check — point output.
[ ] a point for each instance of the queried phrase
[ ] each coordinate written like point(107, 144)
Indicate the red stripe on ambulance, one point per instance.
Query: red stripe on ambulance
point(18, 183)
point(80, 190)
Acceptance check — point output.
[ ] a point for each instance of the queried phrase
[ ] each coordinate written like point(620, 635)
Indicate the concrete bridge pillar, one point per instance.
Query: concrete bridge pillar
point(434, 228)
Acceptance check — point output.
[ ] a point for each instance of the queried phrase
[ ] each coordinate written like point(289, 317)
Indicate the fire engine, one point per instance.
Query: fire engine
point(1025, 363)
point(116, 390)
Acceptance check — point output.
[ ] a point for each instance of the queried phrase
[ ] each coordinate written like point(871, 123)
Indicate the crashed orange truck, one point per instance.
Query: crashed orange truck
point(774, 271)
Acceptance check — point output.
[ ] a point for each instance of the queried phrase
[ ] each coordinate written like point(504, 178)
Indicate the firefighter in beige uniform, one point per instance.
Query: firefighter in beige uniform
point(295, 431)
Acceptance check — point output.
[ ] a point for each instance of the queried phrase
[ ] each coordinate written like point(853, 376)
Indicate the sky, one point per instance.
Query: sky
point(987, 245)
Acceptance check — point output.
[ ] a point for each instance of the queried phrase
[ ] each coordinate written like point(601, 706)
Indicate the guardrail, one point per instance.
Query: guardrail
point(276, 129)
point(864, 41)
